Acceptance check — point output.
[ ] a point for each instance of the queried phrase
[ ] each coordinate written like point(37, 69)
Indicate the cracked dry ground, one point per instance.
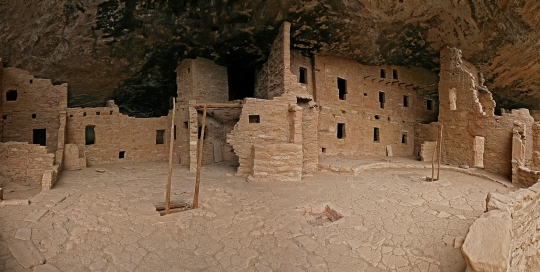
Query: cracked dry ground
point(392, 221)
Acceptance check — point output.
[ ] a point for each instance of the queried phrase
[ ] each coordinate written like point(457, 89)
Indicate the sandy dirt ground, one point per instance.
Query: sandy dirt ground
point(106, 221)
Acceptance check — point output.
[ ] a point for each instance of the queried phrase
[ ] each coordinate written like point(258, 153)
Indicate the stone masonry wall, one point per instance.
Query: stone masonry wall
point(25, 163)
point(298, 61)
point(277, 162)
point(115, 132)
point(360, 109)
point(467, 111)
point(425, 133)
point(1, 101)
point(202, 80)
point(506, 238)
point(37, 106)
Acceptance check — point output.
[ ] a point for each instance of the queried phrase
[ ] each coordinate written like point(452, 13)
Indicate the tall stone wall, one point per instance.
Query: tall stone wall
point(25, 163)
point(1, 102)
point(34, 104)
point(467, 111)
point(115, 133)
point(425, 133)
point(298, 61)
point(202, 80)
point(360, 109)
point(506, 238)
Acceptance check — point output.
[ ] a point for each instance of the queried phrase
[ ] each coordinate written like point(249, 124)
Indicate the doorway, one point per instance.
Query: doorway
point(39, 137)
point(478, 150)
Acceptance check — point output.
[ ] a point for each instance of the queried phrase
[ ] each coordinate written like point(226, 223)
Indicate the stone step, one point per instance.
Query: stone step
point(27, 254)
point(35, 216)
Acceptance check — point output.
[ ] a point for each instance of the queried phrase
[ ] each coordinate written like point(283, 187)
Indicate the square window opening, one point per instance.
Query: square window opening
point(342, 88)
point(365, 94)
point(111, 112)
point(383, 73)
point(4, 117)
point(160, 136)
point(405, 101)
point(376, 117)
point(376, 134)
point(341, 131)
point(185, 124)
point(429, 104)
point(11, 95)
point(254, 119)
point(303, 75)
point(98, 113)
point(121, 154)
point(39, 137)
point(34, 116)
point(404, 138)
point(84, 114)
point(31, 81)
point(90, 135)
point(382, 99)
point(394, 74)
point(323, 150)
point(71, 115)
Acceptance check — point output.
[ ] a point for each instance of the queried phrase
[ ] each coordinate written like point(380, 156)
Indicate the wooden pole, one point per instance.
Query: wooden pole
point(218, 106)
point(199, 162)
point(171, 142)
point(440, 154)
point(433, 162)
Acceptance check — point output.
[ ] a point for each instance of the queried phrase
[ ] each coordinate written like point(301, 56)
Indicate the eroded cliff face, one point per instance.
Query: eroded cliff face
point(128, 50)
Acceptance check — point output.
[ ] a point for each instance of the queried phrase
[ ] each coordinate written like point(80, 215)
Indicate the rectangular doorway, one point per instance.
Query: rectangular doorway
point(478, 152)
point(40, 137)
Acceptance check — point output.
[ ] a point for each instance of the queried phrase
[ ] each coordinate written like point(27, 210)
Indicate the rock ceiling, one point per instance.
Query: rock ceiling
point(128, 50)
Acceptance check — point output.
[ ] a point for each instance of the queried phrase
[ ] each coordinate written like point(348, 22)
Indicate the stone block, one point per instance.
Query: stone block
point(27, 254)
point(35, 216)
point(23, 234)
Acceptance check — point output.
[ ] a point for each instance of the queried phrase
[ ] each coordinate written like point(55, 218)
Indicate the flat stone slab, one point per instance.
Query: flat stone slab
point(14, 202)
point(27, 254)
point(37, 198)
point(24, 234)
point(35, 216)
point(46, 268)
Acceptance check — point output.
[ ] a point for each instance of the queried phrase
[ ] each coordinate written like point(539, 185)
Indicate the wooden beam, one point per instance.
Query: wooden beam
point(173, 205)
point(218, 106)
point(199, 162)
point(171, 142)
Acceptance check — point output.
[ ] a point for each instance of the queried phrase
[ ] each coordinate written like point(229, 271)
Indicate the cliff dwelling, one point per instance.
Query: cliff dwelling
point(295, 160)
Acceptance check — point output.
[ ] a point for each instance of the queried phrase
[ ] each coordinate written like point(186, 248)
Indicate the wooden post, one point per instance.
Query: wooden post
point(171, 142)
point(433, 162)
point(199, 162)
point(440, 154)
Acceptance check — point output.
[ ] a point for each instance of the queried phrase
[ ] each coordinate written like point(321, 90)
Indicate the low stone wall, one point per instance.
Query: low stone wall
point(25, 163)
point(506, 237)
point(526, 177)
point(277, 162)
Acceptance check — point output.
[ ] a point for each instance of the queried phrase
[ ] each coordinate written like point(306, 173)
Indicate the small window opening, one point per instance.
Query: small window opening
point(199, 132)
point(389, 119)
point(71, 115)
point(376, 134)
point(34, 116)
point(377, 117)
point(31, 81)
point(340, 131)
point(323, 150)
point(188, 70)
point(11, 95)
point(174, 132)
point(185, 124)
point(111, 112)
point(430, 104)
point(382, 99)
point(365, 94)
point(405, 101)
point(4, 117)
point(404, 138)
point(121, 154)
point(303, 76)
point(90, 135)
point(342, 88)
point(254, 119)
point(84, 114)
point(383, 73)
point(160, 136)
point(98, 113)
point(394, 74)
point(40, 137)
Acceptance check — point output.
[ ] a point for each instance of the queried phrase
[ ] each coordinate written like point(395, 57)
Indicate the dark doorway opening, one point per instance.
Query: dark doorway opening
point(11, 95)
point(383, 73)
point(382, 99)
point(405, 101)
point(376, 134)
point(241, 83)
point(90, 135)
point(340, 131)
point(394, 74)
point(342, 88)
point(429, 104)
point(40, 137)
point(303, 75)
point(160, 136)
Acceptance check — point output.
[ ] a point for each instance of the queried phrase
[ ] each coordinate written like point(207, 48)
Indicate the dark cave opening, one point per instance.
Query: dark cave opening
point(241, 83)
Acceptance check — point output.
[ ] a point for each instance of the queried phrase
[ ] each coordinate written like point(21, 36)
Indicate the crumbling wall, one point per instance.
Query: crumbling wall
point(273, 127)
point(467, 112)
point(116, 133)
point(34, 104)
point(505, 238)
point(298, 61)
point(202, 80)
point(25, 163)
point(425, 133)
point(375, 111)
point(277, 162)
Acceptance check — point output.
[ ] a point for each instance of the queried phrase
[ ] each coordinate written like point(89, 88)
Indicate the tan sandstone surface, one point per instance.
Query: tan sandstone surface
point(105, 221)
